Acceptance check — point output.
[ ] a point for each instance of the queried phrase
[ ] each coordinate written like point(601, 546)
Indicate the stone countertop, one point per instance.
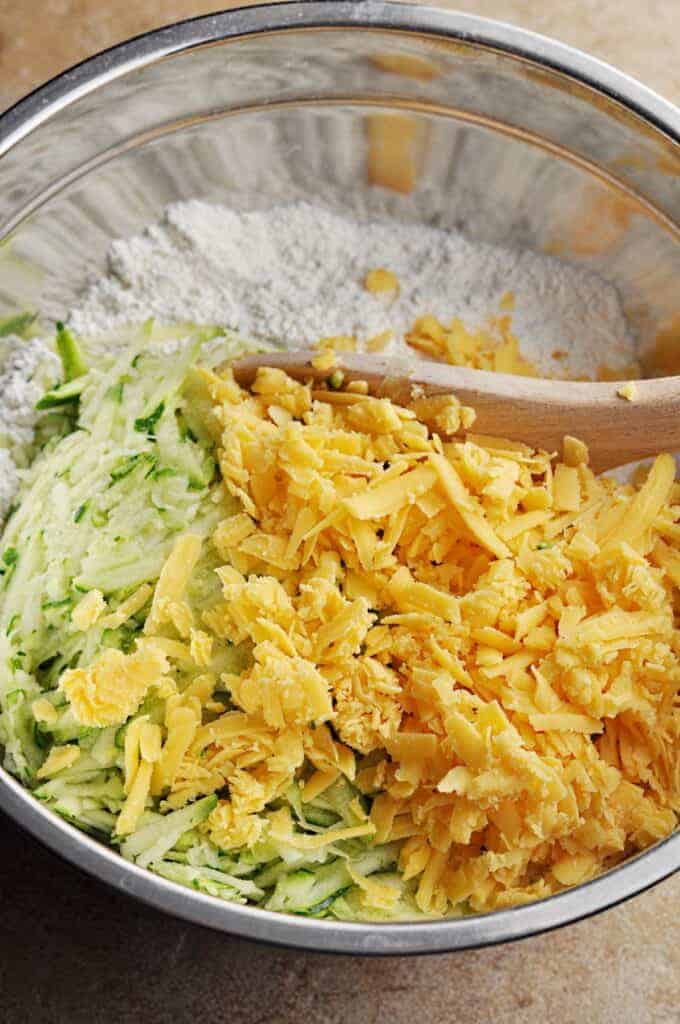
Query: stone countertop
point(640, 38)
point(74, 951)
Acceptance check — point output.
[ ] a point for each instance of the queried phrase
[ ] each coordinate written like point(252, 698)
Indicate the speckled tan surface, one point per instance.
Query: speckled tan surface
point(38, 38)
point(71, 951)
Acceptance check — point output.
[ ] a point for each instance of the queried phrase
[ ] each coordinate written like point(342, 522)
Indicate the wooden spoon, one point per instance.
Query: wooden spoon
point(537, 411)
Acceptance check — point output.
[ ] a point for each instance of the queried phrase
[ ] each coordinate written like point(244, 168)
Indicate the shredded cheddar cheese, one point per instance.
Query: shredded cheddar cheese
point(173, 580)
point(481, 637)
point(44, 711)
point(628, 391)
point(114, 685)
point(136, 800)
point(131, 750)
point(127, 608)
point(495, 628)
point(380, 281)
point(494, 349)
point(87, 611)
point(325, 360)
point(575, 452)
point(379, 341)
point(58, 759)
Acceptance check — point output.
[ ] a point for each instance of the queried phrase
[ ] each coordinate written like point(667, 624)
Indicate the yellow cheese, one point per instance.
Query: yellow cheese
point(379, 341)
point(643, 509)
point(231, 830)
point(472, 517)
point(493, 349)
point(565, 722)
point(181, 726)
point(280, 828)
point(129, 607)
point(317, 783)
point(173, 579)
point(44, 711)
point(412, 746)
point(494, 627)
point(375, 894)
point(131, 749)
point(325, 360)
point(150, 742)
point(388, 498)
point(156, 646)
point(58, 759)
point(522, 523)
point(113, 686)
point(574, 868)
point(133, 807)
point(443, 413)
point(88, 610)
point(411, 596)
point(179, 614)
point(201, 647)
point(566, 489)
point(628, 391)
point(668, 559)
point(575, 451)
point(381, 280)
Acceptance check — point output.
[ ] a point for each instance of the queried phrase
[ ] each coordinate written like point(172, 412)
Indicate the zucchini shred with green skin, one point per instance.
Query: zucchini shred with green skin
point(126, 467)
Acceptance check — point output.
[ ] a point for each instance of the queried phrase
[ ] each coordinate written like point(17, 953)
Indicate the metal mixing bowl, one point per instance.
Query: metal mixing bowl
point(376, 108)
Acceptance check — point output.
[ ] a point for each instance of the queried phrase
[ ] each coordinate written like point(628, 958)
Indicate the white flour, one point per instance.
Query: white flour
point(295, 274)
point(27, 370)
point(9, 482)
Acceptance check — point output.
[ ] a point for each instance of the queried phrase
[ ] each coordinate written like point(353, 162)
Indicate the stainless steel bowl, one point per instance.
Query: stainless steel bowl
point(511, 137)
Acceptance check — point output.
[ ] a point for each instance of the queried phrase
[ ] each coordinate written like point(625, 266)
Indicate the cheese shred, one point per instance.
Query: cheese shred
point(494, 628)
point(481, 638)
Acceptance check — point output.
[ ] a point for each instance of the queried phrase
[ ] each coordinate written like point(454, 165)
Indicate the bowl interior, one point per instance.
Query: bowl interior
point(378, 111)
point(448, 131)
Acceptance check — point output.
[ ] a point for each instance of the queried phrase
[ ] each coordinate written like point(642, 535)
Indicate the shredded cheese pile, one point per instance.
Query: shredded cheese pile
point(495, 348)
point(483, 638)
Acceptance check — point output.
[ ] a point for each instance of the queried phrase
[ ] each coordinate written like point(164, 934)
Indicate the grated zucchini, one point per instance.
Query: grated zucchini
point(125, 466)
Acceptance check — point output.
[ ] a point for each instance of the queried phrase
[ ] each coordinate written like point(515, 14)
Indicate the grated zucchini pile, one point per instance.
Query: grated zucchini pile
point(122, 468)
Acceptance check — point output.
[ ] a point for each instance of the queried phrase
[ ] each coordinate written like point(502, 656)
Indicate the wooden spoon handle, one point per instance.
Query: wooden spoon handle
point(537, 411)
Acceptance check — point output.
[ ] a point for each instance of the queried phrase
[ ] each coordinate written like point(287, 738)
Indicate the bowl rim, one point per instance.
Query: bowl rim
point(628, 879)
point(39, 105)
